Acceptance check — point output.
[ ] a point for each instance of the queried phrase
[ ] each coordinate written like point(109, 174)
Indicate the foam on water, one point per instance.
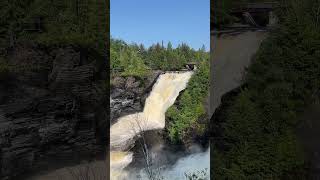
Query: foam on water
point(125, 130)
point(193, 164)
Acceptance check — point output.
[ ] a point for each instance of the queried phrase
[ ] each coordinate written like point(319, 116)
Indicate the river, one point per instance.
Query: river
point(229, 60)
point(127, 129)
point(230, 56)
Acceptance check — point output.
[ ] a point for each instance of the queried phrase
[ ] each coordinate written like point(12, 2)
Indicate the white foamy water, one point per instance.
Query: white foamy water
point(197, 163)
point(191, 164)
point(125, 130)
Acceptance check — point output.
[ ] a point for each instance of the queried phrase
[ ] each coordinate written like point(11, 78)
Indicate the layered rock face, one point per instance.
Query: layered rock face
point(53, 109)
point(128, 94)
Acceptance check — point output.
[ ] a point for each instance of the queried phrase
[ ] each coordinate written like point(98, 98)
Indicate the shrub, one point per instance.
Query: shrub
point(184, 115)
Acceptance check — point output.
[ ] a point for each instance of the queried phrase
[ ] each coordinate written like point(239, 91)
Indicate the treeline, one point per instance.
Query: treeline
point(183, 117)
point(259, 133)
point(137, 60)
point(59, 22)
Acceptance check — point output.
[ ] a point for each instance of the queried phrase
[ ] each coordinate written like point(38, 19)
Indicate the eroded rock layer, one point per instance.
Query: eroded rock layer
point(53, 108)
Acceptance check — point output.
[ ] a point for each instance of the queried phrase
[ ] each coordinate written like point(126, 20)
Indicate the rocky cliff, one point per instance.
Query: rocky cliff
point(53, 108)
point(128, 94)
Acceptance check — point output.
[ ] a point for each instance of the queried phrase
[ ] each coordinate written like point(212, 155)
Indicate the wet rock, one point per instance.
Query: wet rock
point(131, 83)
point(129, 94)
point(116, 92)
point(118, 82)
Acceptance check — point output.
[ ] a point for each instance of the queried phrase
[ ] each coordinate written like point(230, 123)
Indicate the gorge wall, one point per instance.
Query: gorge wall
point(128, 94)
point(53, 108)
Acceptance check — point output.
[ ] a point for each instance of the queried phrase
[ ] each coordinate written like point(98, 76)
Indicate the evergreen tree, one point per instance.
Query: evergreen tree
point(169, 46)
point(155, 57)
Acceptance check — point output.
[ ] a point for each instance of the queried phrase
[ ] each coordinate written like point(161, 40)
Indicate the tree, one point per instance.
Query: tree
point(155, 57)
point(132, 63)
point(12, 14)
point(169, 46)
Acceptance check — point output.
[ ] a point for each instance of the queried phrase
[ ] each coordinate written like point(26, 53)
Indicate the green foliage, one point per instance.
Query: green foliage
point(77, 22)
point(133, 64)
point(184, 115)
point(127, 59)
point(82, 22)
point(136, 60)
point(259, 129)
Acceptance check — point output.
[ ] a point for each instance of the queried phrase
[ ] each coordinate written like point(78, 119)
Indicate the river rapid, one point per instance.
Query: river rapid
point(127, 129)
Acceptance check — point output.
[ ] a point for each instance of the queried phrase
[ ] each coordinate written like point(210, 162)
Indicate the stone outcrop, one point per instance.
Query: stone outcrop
point(128, 94)
point(53, 108)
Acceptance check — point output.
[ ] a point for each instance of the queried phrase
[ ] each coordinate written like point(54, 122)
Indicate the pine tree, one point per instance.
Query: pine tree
point(169, 46)
point(203, 48)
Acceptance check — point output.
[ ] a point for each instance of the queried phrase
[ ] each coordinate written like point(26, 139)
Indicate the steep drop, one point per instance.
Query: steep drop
point(127, 128)
point(230, 55)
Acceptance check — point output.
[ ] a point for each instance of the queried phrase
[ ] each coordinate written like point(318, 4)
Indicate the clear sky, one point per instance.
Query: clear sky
point(151, 21)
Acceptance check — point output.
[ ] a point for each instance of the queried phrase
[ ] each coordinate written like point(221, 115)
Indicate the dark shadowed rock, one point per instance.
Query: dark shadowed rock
point(53, 111)
point(31, 65)
point(128, 94)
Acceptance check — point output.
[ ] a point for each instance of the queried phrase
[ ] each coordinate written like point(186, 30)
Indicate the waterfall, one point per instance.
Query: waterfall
point(124, 132)
point(195, 163)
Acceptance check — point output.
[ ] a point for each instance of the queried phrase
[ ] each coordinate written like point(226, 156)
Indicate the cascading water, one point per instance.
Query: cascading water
point(127, 128)
point(195, 163)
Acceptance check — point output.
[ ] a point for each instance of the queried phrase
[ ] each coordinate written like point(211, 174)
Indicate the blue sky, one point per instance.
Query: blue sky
point(151, 21)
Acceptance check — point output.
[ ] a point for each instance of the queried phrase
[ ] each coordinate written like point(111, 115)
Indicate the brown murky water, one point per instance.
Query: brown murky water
point(230, 55)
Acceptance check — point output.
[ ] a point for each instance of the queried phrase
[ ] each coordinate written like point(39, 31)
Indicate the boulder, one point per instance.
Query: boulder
point(118, 82)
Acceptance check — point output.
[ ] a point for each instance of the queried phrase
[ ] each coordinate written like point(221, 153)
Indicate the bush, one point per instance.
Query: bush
point(184, 115)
